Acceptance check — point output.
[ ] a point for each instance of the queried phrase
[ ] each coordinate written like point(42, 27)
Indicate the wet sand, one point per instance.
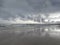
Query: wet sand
point(27, 38)
point(7, 38)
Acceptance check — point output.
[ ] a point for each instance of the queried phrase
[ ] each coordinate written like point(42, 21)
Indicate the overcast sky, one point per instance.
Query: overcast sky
point(22, 8)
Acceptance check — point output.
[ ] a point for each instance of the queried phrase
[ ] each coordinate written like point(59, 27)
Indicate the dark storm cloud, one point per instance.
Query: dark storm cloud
point(11, 8)
point(45, 5)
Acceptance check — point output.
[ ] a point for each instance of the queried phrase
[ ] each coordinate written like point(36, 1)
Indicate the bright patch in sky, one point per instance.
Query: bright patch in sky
point(18, 21)
point(54, 15)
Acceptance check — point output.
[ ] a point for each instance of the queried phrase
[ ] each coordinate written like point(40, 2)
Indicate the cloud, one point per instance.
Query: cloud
point(45, 6)
point(27, 8)
point(17, 21)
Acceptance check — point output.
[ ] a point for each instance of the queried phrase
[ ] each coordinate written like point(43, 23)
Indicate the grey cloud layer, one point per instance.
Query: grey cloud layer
point(11, 8)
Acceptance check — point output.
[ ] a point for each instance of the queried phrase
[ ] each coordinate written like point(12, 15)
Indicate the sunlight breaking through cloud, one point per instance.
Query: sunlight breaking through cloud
point(18, 21)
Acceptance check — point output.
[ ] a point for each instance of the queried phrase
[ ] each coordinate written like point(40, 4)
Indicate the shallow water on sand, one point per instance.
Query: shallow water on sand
point(30, 35)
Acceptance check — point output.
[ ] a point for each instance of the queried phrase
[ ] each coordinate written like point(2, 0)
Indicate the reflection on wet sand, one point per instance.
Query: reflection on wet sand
point(52, 31)
point(30, 35)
